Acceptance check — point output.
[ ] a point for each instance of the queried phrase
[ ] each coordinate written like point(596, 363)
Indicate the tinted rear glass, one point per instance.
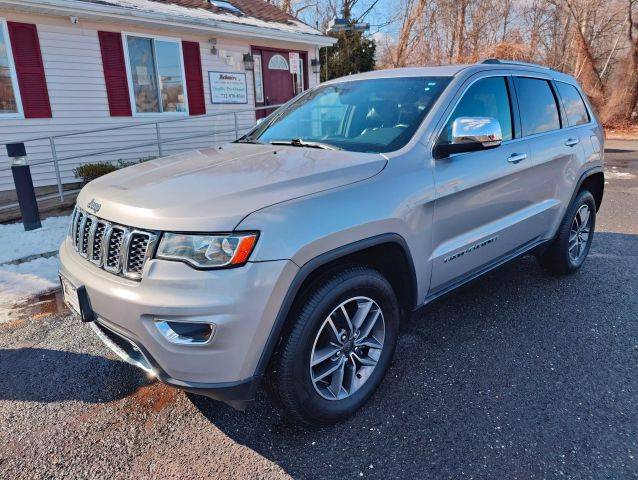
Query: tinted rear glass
point(573, 104)
point(537, 105)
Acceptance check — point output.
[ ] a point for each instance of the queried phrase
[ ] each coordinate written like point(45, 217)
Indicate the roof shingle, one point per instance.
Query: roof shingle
point(259, 9)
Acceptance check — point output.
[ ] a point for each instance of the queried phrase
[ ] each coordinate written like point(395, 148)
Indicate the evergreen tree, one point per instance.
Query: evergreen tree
point(353, 53)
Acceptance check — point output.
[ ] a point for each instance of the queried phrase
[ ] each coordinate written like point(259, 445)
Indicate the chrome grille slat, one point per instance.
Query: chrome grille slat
point(112, 259)
point(77, 228)
point(96, 242)
point(115, 248)
point(83, 240)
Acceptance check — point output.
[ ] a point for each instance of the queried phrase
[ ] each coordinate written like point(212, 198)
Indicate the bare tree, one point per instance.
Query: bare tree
point(624, 99)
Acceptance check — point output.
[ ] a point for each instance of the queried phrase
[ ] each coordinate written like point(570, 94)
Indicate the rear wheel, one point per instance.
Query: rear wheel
point(340, 344)
point(569, 249)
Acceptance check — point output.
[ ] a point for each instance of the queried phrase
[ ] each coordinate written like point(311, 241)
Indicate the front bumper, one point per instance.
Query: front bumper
point(242, 302)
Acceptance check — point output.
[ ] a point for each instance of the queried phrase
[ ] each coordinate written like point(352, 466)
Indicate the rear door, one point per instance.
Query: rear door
point(483, 200)
point(556, 149)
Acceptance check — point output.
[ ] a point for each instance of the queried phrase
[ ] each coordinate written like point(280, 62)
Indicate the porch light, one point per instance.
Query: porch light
point(316, 65)
point(249, 61)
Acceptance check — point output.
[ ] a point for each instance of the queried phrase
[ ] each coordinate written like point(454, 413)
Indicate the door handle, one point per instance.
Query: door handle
point(570, 142)
point(516, 157)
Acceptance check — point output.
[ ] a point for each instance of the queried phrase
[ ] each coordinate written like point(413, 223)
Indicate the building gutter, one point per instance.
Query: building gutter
point(96, 11)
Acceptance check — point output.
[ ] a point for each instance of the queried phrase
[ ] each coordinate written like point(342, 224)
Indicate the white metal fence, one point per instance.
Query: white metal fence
point(60, 154)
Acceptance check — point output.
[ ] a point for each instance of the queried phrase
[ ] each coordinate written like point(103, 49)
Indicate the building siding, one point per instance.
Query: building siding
point(77, 92)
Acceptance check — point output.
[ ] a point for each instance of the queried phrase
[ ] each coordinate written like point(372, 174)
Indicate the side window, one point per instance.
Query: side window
point(539, 112)
point(487, 97)
point(573, 104)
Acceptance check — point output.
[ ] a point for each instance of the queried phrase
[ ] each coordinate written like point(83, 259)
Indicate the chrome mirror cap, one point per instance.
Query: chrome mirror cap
point(483, 130)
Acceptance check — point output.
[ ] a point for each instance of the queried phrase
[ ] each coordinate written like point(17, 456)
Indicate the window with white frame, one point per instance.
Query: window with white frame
point(259, 79)
point(300, 76)
point(156, 74)
point(9, 93)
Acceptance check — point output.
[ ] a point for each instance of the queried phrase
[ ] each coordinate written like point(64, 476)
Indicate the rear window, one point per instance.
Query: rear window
point(573, 104)
point(539, 112)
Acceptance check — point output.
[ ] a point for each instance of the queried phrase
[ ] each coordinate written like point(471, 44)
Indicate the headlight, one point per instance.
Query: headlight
point(207, 251)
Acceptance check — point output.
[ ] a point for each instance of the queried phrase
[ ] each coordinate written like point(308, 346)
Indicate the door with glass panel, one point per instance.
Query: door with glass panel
point(555, 147)
point(483, 200)
point(273, 81)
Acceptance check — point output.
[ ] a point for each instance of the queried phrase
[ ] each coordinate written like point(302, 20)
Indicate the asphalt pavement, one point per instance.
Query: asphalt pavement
point(516, 375)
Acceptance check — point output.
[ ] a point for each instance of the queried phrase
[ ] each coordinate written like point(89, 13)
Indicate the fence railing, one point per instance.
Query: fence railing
point(133, 141)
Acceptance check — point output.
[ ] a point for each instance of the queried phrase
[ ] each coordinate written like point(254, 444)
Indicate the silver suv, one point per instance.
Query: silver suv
point(295, 252)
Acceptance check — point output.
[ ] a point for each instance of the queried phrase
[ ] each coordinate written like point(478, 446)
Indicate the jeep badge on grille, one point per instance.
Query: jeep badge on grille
point(93, 205)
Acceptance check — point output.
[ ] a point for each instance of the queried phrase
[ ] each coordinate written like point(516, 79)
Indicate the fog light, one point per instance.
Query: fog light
point(186, 333)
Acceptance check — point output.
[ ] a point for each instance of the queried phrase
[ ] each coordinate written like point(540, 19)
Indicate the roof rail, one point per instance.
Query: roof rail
point(498, 61)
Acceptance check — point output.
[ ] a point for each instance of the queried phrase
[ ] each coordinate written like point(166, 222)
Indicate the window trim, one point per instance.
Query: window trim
point(13, 73)
point(129, 75)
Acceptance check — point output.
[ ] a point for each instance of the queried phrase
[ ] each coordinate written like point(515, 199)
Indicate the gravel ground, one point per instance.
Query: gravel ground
point(516, 375)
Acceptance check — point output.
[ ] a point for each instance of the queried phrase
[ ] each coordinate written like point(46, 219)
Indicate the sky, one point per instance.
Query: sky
point(378, 17)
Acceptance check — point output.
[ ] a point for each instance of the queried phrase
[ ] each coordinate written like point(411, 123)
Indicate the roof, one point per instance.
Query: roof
point(260, 19)
point(453, 70)
point(438, 71)
point(257, 12)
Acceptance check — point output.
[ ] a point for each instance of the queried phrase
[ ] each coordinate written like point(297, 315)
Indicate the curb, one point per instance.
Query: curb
point(30, 257)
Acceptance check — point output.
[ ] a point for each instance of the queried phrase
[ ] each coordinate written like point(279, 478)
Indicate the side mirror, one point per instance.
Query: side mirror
point(471, 134)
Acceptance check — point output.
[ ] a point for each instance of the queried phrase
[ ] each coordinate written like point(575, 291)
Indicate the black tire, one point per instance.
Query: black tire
point(556, 258)
point(289, 377)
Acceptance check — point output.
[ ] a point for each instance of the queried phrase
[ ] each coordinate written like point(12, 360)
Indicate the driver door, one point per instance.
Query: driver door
point(481, 198)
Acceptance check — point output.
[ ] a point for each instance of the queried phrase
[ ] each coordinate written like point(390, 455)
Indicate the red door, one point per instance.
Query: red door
point(278, 82)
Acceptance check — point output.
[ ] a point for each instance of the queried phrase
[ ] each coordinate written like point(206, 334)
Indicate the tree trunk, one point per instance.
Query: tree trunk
point(624, 98)
point(415, 11)
point(460, 31)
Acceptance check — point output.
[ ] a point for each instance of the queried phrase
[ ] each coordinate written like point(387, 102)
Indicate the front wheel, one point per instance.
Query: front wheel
point(569, 249)
point(340, 344)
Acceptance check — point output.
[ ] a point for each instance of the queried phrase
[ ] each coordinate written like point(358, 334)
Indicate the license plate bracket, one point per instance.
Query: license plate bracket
point(77, 299)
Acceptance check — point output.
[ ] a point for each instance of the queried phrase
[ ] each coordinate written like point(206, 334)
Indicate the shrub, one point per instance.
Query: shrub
point(91, 171)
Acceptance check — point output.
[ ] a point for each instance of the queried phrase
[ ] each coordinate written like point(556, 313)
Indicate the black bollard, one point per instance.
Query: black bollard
point(24, 186)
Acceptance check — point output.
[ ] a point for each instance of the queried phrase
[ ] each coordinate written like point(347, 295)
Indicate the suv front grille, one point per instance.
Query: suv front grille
point(118, 249)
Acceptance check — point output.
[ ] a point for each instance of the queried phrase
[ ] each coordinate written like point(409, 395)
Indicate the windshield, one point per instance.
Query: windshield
point(375, 115)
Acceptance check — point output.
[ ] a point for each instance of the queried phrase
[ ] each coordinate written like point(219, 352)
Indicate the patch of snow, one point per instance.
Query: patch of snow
point(17, 244)
point(173, 10)
point(18, 282)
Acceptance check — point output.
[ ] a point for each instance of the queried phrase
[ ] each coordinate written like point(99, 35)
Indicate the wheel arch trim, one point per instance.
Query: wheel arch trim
point(311, 266)
point(583, 177)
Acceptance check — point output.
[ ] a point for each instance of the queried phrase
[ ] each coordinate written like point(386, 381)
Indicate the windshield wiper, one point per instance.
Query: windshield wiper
point(249, 140)
point(298, 142)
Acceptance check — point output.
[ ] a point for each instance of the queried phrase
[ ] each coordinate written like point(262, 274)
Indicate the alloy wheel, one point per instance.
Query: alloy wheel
point(579, 233)
point(347, 348)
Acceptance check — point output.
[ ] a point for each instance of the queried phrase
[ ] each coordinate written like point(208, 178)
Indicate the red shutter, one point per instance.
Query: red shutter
point(30, 70)
point(194, 79)
point(115, 73)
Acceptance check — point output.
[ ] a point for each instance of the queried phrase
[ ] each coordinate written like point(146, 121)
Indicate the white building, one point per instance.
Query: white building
point(74, 65)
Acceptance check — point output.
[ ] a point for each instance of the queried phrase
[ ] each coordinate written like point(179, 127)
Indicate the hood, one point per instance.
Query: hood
point(212, 190)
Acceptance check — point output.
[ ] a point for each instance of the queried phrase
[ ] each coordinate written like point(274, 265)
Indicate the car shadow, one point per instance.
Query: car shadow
point(510, 376)
point(44, 375)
